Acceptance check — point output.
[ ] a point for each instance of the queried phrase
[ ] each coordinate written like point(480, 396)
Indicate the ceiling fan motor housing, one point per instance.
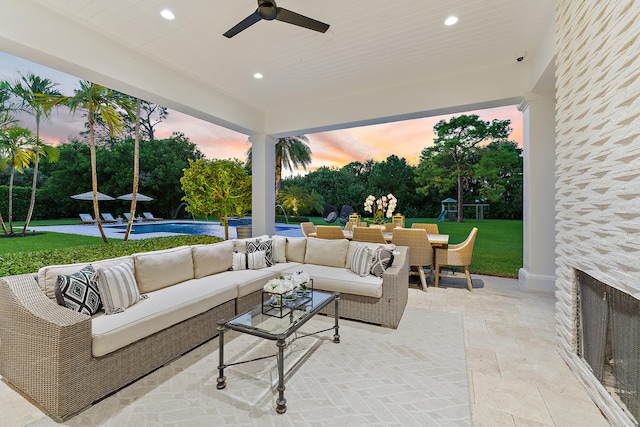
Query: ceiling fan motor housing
point(267, 10)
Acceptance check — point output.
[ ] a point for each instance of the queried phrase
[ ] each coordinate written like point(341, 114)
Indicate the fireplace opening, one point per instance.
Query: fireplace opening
point(609, 339)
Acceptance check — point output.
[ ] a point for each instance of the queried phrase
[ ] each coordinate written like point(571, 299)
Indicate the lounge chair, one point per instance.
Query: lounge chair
point(345, 212)
point(135, 219)
point(107, 217)
point(87, 218)
point(148, 216)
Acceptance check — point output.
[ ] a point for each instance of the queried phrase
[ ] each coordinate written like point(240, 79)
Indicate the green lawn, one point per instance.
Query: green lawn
point(497, 251)
point(498, 247)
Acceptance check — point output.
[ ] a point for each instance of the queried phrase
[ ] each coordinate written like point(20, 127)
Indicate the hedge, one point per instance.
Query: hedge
point(31, 262)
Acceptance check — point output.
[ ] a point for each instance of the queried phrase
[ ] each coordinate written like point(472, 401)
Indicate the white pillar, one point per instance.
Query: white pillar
point(539, 202)
point(263, 184)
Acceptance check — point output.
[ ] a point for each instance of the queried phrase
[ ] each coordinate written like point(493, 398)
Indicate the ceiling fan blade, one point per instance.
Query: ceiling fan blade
point(243, 25)
point(290, 17)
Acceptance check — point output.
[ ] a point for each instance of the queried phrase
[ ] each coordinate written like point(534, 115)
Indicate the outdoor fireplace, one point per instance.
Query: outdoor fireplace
point(608, 339)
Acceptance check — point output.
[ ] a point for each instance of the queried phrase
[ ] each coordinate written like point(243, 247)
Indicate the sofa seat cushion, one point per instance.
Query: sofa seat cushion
point(163, 308)
point(337, 279)
point(246, 281)
point(279, 267)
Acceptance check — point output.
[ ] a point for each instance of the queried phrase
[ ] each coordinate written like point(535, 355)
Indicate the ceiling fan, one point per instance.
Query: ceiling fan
point(268, 10)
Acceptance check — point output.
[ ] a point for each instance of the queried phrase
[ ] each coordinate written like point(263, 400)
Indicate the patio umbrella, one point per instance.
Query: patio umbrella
point(89, 196)
point(140, 197)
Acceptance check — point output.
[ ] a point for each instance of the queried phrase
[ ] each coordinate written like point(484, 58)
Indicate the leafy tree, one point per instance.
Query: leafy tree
point(15, 143)
point(296, 198)
point(499, 174)
point(218, 187)
point(291, 153)
point(457, 145)
point(150, 116)
point(28, 88)
point(99, 101)
point(394, 175)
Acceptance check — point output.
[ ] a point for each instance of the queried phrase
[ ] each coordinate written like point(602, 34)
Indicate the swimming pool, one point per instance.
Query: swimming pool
point(209, 228)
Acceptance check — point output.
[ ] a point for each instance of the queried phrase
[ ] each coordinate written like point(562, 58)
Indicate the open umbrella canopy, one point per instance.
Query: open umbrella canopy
point(89, 196)
point(140, 197)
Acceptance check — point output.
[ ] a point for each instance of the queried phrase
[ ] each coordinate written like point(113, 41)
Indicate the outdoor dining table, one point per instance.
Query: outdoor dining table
point(436, 240)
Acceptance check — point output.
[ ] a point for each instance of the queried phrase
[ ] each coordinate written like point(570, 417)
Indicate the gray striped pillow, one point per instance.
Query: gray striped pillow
point(117, 286)
point(362, 260)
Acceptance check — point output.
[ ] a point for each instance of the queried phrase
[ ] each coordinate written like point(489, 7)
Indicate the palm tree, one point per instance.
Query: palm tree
point(28, 89)
point(15, 146)
point(136, 170)
point(291, 153)
point(98, 101)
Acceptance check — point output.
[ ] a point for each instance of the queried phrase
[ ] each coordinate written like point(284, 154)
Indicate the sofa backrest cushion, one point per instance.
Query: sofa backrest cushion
point(332, 253)
point(159, 269)
point(48, 275)
point(295, 249)
point(212, 259)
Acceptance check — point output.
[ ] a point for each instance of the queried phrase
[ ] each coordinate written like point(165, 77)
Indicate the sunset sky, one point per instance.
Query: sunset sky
point(335, 148)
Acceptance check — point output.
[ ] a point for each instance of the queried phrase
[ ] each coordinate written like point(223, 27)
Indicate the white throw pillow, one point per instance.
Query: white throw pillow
point(256, 260)
point(118, 287)
point(279, 248)
point(362, 260)
point(239, 261)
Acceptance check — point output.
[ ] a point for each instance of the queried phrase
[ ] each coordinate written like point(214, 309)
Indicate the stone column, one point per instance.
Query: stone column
point(263, 183)
point(539, 203)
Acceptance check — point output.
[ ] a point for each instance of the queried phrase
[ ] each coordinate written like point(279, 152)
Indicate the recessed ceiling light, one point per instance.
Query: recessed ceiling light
point(258, 76)
point(167, 14)
point(451, 20)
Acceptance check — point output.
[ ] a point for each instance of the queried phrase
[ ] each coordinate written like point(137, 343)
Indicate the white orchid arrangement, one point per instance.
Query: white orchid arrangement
point(384, 206)
point(279, 286)
point(286, 284)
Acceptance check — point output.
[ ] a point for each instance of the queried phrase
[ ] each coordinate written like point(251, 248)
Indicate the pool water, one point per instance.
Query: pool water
point(209, 228)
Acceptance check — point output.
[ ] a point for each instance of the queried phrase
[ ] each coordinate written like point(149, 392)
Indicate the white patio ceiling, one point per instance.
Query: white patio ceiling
point(373, 51)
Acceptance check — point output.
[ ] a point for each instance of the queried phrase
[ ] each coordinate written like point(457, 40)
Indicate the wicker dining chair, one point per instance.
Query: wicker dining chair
point(329, 232)
point(456, 256)
point(307, 228)
point(431, 228)
point(420, 250)
point(367, 234)
point(389, 226)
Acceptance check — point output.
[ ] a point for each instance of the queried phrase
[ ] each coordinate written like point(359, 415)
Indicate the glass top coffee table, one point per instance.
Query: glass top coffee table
point(277, 324)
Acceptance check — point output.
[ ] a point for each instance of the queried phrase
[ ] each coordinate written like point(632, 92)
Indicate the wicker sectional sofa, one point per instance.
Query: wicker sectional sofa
point(65, 360)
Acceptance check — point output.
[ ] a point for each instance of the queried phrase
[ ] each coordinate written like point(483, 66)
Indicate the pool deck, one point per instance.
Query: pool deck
point(116, 231)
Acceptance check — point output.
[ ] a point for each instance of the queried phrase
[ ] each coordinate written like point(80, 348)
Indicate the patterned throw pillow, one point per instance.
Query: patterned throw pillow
point(362, 260)
point(118, 287)
point(264, 245)
point(239, 261)
point(78, 291)
point(382, 259)
point(256, 260)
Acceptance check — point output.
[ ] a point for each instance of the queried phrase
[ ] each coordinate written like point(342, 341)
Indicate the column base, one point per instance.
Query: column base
point(536, 282)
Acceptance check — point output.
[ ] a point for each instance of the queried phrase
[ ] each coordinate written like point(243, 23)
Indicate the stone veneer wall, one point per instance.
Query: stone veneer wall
point(598, 162)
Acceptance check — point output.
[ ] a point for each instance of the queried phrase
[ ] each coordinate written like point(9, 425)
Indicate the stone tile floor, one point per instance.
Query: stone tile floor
point(516, 377)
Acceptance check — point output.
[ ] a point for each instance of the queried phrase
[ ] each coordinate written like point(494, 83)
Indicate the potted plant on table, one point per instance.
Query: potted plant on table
point(380, 208)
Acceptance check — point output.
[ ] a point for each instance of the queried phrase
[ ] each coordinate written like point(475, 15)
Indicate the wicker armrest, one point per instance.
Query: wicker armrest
point(42, 345)
point(395, 280)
